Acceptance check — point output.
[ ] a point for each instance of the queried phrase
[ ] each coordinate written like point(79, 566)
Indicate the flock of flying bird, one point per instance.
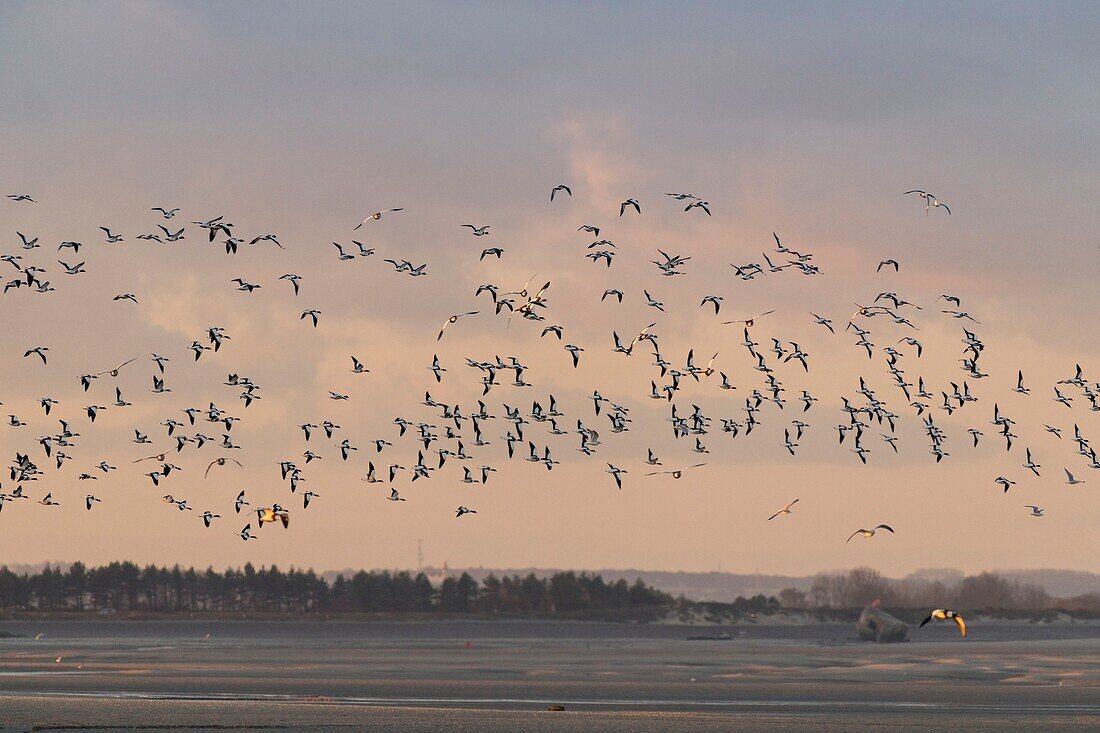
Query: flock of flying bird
point(867, 417)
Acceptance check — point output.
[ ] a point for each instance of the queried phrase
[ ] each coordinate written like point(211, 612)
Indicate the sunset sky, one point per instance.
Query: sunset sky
point(300, 119)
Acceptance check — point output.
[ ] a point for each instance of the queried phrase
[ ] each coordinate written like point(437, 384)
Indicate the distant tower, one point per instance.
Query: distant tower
point(419, 556)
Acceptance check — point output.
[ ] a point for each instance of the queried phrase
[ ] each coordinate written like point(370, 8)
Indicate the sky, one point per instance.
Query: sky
point(808, 120)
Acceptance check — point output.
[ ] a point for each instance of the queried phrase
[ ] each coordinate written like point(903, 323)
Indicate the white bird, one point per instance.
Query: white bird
point(376, 216)
point(784, 510)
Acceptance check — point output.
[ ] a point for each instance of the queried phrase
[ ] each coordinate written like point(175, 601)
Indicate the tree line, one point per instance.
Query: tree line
point(863, 586)
point(124, 586)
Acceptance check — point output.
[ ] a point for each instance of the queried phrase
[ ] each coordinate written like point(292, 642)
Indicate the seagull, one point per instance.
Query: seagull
point(869, 532)
point(89, 500)
point(463, 510)
point(454, 319)
point(1004, 482)
point(1070, 479)
point(239, 502)
point(208, 517)
point(944, 614)
point(394, 496)
point(478, 231)
point(629, 202)
point(1035, 511)
point(888, 263)
point(749, 321)
point(784, 510)
point(21, 197)
point(311, 313)
point(930, 201)
point(166, 213)
point(220, 462)
point(111, 238)
point(376, 216)
point(562, 187)
point(677, 473)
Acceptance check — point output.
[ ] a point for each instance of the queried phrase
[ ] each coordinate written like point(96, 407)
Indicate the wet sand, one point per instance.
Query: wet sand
point(502, 677)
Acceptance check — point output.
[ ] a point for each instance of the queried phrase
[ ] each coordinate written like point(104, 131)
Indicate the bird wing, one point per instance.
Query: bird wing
point(961, 625)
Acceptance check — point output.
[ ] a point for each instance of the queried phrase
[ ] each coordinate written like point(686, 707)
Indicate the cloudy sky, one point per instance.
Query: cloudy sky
point(301, 119)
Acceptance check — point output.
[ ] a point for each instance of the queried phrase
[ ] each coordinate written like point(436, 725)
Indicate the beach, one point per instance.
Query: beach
point(501, 676)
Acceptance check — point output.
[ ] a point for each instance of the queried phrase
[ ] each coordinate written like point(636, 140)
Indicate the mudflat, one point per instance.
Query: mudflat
point(503, 676)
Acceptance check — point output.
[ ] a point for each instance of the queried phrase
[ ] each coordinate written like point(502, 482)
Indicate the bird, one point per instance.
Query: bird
point(702, 205)
point(784, 510)
point(376, 216)
point(930, 201)
point(272, 514)
point(478, 231)
point(1070, 479)
point(945, 614)
point(566, 189)
point(166, 213)
point(676, 473)
point(887, 263)
point(39, 351)
point(453, 319)
point(628, 203)
point(220, 462)
point(749, 322)
point(617, 473)
point(294, 280)
point(870, 532)
point(1035, 511)
point(463, 510)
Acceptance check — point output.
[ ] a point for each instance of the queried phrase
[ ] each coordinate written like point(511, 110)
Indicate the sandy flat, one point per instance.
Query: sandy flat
point(608, 677)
